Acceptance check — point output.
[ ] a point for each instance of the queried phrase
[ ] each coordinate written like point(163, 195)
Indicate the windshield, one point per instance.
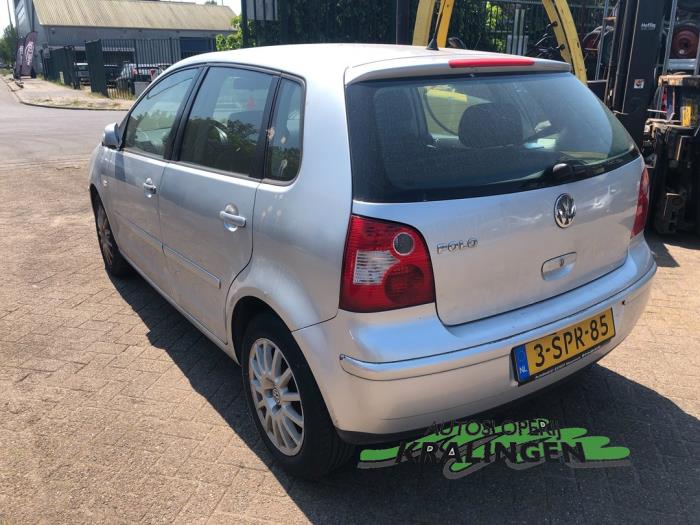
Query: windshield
point(446, 138)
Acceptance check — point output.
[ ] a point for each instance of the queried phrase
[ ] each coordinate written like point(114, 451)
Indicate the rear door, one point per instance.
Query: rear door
point(490, 169)
point(138, 169)
point(209, 190)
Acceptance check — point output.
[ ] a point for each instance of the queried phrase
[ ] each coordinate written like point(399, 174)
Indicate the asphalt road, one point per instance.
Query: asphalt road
point(33, 135)
point(115, 409)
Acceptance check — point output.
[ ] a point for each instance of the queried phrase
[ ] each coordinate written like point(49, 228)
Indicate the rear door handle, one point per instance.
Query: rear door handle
point(149, 188)
point(232, 221)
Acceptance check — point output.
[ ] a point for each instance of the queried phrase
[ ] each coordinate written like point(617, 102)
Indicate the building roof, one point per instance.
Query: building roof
point(133, 14)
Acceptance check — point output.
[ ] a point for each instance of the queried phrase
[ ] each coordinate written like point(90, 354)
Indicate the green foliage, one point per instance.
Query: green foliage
point(233, 40)
point(494, 13)
point(8, 44)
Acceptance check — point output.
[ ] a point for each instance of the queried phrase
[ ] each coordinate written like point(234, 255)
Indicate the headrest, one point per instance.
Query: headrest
point(490, 125)
point(393, 105)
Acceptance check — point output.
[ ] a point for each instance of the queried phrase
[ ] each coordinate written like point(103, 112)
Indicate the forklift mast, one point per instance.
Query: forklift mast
point(632, 78)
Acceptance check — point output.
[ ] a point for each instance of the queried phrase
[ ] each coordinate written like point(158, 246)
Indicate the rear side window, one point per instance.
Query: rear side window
point(223, 128)
point(447, 138)
point(150, 124)
point(284, 153)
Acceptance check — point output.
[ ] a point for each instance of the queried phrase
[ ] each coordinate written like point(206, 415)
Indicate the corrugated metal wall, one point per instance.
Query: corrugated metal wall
point(133, 14)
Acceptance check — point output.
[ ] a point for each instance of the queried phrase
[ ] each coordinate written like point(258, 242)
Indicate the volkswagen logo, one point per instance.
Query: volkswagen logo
point(564, 210)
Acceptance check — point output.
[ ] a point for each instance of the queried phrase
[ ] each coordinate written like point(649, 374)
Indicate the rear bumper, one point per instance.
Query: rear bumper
point(390, 374)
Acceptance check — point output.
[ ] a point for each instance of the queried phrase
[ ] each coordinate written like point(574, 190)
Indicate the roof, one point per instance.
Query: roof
point(133, 14)
point(358, 61)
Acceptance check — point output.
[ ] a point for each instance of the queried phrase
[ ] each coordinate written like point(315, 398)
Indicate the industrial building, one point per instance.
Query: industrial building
point(61, 23)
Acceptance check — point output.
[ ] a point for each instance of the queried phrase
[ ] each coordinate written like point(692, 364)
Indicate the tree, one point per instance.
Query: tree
point(8, 45)
point(232, 41)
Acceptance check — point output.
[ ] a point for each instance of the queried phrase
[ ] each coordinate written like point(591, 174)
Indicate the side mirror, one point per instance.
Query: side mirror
point(110, 136)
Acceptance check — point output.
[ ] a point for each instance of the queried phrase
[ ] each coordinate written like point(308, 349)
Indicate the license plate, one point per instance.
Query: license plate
point(550, 353)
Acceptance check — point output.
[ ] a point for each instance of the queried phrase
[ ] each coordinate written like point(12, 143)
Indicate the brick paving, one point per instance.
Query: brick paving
point(113, 408)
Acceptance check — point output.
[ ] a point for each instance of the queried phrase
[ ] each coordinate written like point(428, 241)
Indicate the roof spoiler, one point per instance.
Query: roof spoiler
point(450, 64)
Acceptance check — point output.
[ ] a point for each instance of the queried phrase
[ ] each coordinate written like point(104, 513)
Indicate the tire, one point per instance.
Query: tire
point(684, 43)
point(315, 449)
point(115, 264)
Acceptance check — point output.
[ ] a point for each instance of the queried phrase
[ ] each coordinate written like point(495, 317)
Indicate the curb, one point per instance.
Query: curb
point(40, 105)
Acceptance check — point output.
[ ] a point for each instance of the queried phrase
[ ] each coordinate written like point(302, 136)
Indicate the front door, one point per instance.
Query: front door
point(208, 191)
point(138, 171)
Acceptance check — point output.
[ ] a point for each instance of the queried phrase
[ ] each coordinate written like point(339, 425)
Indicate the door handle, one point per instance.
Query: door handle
point(232, 221)
point(149, 188)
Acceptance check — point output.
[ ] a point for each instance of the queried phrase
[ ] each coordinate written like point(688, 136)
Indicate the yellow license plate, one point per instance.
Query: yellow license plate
point(548, 354)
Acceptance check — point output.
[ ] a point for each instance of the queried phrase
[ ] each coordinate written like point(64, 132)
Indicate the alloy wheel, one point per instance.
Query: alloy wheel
point(276, 396)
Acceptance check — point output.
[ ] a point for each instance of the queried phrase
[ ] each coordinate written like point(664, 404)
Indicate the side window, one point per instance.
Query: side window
point(285, 133)
point(151, 122)
point(223, 127)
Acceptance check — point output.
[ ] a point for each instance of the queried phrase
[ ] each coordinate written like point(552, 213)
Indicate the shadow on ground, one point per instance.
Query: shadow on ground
point(658, 245)
point(662, 485)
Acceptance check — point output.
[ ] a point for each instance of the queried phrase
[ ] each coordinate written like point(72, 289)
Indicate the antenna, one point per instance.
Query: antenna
point(432, 45)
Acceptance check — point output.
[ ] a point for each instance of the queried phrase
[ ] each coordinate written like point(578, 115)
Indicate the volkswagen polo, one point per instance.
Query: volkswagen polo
point(383, 237)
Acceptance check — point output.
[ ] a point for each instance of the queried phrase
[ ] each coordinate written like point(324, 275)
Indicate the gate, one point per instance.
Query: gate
point(59, 65)
point(123, 68)
point(96, 67)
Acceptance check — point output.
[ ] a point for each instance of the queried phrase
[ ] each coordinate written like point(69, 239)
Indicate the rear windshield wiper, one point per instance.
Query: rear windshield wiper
point(562, 171)
point(565, 170)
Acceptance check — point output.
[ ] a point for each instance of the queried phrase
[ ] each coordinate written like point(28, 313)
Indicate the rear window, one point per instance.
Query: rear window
point(448, 138)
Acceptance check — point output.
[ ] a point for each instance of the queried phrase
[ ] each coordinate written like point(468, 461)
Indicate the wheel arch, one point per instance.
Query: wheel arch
point(94, 196)
point(246, 308)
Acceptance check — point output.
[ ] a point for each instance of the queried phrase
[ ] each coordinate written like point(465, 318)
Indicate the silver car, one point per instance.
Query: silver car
point(384, 237)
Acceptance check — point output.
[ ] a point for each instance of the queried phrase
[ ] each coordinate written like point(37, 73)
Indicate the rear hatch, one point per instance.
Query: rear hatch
point(481, 164)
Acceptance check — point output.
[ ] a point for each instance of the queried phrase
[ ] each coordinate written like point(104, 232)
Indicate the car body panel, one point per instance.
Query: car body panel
point(300, 227)
point(135, 209)
point(203, 254)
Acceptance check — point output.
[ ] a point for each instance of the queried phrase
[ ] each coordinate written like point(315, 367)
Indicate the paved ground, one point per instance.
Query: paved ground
point(43, 93)
point(113, 408)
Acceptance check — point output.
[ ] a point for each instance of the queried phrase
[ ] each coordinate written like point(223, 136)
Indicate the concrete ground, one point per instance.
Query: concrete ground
point(114, 409)
point(39, 92)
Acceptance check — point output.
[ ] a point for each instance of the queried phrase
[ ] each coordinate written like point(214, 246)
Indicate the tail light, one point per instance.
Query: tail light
point(386, 266)
point(640, 219)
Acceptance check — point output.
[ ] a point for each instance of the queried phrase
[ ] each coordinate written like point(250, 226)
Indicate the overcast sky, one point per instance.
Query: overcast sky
point(233, 4)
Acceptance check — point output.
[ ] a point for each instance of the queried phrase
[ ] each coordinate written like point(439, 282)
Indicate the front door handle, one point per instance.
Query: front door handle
point(149, 188)
point(232, 221)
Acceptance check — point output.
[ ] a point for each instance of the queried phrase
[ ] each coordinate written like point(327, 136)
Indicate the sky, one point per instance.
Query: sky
point(233, 4)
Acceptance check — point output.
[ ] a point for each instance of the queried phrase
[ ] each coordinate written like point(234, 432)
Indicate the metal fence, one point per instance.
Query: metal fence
point(513, 26)
point(59, 65)
point(118, 68)
point(129, 65)
point(495, 25)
